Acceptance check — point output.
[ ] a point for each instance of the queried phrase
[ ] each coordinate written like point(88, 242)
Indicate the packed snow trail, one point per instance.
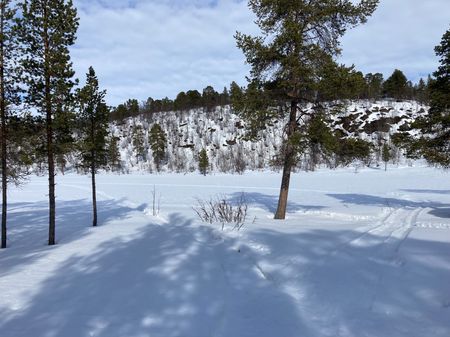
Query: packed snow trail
point(343, 291)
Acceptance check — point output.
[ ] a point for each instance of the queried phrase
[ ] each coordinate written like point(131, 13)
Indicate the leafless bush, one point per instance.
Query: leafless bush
point(220, 210)
point(156, 202)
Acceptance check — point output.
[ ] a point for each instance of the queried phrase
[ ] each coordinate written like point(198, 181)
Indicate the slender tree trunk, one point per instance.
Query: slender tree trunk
point(50, 146)
point(3, 130)
point(51, 177)
point(288, 163)
point(94, 196)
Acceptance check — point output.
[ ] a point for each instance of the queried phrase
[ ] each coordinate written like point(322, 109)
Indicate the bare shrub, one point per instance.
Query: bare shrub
point(220, 210)
point(156, 202)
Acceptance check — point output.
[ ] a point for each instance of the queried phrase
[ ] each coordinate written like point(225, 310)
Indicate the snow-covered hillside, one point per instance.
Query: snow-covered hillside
point(361, 254)
point(221, 132)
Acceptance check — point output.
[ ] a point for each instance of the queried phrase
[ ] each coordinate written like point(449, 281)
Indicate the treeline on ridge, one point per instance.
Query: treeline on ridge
point(338, 83)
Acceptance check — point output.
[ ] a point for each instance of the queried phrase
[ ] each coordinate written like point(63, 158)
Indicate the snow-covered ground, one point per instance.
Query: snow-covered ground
point(361, 254)
point(222, 134)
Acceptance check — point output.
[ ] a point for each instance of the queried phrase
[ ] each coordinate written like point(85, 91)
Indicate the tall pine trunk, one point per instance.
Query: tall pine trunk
point(94, 196)
point(50, 149)
point(289, 156)
point(3, 131)
point(51, 178)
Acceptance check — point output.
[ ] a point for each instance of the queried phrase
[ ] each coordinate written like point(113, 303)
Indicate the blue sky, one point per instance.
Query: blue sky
point(157, 48)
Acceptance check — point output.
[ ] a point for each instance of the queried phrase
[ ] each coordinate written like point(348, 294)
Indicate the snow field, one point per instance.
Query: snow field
point(361, 254)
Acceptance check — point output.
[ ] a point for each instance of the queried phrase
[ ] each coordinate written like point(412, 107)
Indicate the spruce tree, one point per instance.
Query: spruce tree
point(9, 95)
point(93, 118)
point(203, 162)
point(158, 143)
point(47, 30)
point(299, 39)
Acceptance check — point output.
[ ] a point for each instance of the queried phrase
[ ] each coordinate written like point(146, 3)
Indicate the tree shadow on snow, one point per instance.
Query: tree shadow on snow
point(441, 212)
point(171, 280)
point(270, 202)
point(427, 191)
point(353, 289)
point(28, 226)
point(438, 209)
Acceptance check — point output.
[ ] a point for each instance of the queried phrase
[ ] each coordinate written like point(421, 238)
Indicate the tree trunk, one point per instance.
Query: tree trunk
point(51, 182)
point(3, 136)
point(50, 149)
point(289, 156)
point(94, 196)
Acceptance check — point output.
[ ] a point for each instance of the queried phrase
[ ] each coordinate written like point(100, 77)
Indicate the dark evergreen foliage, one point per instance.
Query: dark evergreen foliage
point(138, 140)
point(434, 128)
point(93, 121)
point(157, 140)
point(9, 96)
point(396, 86)
point(374, 85)
point(295, 50)
point(349, 149)
point(114, 162)
point(47, 28)
point(203, 162)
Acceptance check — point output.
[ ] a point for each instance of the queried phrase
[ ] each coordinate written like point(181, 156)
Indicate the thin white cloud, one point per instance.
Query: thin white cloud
point(143, 48)
point(159, 48)
point(402, 35)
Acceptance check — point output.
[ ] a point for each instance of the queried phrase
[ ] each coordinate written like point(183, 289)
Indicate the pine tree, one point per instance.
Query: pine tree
point(24, 132)
point(224, 97)
point(9, 95)
point(194, 99)
point(93, 118)
point(434, 142)
point(180, 102)
point(396, 86)
point(137, 138)
point(210, 98)
point(132, 106)
point(374, 85)
point(349, 149)
point(236, 96)
point(63, 125)
point(339, 82)
point(299, 38)
point(47, 30)
point(321, 142)
point(114, 162)
point(158, 143)
point(421, 92)
point(203, 162)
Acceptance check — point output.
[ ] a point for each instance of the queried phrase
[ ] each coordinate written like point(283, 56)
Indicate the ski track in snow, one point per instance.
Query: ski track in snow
point(392, 244)
point(254, 286)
